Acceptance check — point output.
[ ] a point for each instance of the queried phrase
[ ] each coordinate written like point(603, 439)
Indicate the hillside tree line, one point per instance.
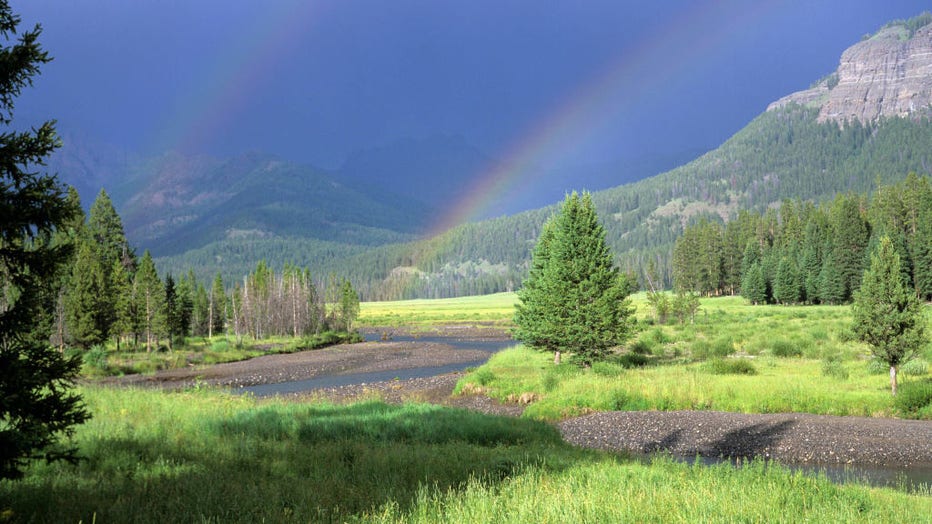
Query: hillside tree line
point(807, 253)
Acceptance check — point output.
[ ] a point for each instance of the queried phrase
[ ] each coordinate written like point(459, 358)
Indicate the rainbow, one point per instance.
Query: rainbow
point(590, 106)
point(638, 72)
point(218, 94)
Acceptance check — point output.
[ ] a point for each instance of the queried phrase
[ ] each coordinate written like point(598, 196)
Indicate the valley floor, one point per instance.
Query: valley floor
point(790, 438)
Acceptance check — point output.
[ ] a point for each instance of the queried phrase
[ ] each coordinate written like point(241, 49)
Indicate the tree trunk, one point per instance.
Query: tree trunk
point(556, 358)
point(893, 379)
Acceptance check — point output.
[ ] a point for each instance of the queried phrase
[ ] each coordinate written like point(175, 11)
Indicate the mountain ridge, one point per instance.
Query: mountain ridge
point(887, 74)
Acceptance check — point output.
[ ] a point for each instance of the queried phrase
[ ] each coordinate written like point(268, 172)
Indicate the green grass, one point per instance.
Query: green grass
point(780, 385)
point(734, 357)
point(101, 361)
point(207, 456)
point(497, 309)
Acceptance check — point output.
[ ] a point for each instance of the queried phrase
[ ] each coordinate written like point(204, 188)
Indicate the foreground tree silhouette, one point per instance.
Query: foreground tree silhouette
point(574, 299)
point(37, 406)
point(887, 314)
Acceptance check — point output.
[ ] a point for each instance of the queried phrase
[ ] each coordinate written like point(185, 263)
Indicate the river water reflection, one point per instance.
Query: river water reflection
point(331, 381)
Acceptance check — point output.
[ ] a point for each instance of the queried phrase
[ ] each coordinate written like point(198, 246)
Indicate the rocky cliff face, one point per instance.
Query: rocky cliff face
point(889, 74)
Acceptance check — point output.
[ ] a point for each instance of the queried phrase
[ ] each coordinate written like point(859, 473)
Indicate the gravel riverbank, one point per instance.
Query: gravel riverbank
point(792, 438)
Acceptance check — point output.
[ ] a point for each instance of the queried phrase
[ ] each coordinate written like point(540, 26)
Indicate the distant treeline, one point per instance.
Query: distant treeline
point(108, 293)
point(808, 253)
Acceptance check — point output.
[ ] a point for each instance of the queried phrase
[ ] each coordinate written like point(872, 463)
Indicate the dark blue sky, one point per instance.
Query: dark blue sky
point(593, 81)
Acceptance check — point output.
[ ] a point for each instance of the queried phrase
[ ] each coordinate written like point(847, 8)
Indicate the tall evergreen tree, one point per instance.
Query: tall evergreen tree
point(349, 305)
point(886, 314)
point(753, 287)
point(587, 311)
point(200, 316)
point(535, 319)
point(150, 296)
point(811, 261)
point(171, 311)
point(106, 229)
point(127, 316)
point(922, 259)
point(217, 306)
point(787, 289)
point(88, 308)
point(850, 238)
point(185, 307)
point(831, 282)
point(37, 405)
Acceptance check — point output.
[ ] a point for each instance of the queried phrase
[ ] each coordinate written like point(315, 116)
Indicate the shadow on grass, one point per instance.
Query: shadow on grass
point(294, 462)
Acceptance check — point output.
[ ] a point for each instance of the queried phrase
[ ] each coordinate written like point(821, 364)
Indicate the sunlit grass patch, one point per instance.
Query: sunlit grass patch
point(497, 309)
point(204, 455)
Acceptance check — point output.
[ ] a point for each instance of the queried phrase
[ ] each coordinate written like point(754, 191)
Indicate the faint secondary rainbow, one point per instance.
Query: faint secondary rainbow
point(225, 86)
point(587, 108)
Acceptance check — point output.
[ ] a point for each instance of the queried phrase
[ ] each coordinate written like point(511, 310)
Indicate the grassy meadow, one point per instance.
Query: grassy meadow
point(731, 357)
point(492, 310)
point(207, 456)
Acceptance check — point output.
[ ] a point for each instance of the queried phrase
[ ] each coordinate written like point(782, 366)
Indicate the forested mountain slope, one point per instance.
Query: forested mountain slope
point(789, 152)
point(792, 151)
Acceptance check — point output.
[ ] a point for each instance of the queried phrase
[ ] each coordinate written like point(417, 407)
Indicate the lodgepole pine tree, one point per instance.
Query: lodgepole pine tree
point(150, 296)
point(887, 314)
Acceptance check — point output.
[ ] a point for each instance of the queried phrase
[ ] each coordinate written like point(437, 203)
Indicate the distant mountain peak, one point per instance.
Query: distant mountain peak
point(885, 75)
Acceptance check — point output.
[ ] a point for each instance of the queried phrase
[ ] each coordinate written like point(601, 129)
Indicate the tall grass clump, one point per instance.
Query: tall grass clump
point(832, 366)
point(785, 348)
point(915, 367)
point(914, 399)
point(729, 366)
point(95, 360)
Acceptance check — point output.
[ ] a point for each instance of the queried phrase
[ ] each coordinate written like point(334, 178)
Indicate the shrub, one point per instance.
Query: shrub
point(550, 382)
point(832, 367)
point(220, 345)
point(484, 376)
point(723, 346)
point(785, 348)
point(621, 400)
point(730, 366)
point(640, 347)
point(701, 349)
point(633, 360)
point(658, 337)
point(914, 398)
point(96, 358)
point(608, 368)
point(915, 367)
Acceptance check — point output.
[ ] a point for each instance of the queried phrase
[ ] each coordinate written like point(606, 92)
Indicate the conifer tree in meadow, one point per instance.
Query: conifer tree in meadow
point(150, 298)
point(575, 299)
point(217, 307)
point(88, 313)
point(753, 287)
point(886, 313)
point(37, 404)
